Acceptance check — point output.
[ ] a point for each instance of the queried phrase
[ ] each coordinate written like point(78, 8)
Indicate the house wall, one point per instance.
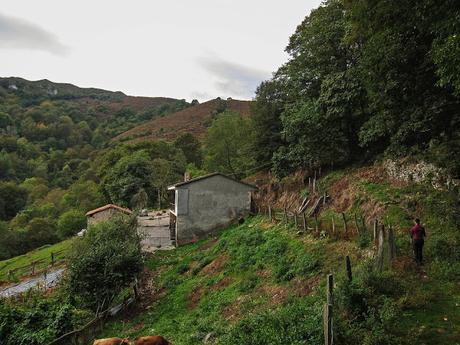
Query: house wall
point(154, 231)
point(212, 204)
point(102, 216)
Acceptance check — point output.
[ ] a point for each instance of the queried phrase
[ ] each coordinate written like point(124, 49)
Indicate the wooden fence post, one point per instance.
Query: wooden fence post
point(345, 226)
point(376, 223)
point(391, 243)
point(330, 289)
point(363, 221)
point(348, 266)
point(305, 228)
point(270, 213)
point(328, 312)
point(316, 223)
point(357, 224)
point(52, 258)
point(380, 250)
point(33, 267)
point(327, 322)
point(135, 289)
point(333, 224)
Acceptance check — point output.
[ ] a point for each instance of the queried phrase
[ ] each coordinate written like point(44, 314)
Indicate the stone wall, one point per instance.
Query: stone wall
point(419, 172)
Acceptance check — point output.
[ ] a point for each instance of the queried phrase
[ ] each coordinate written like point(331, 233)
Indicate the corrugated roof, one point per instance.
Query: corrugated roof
point(105, 207)
point(180, 184)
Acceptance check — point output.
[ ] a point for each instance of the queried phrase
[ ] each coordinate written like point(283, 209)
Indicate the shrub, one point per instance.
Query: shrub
point(38, 322)
point(70, 223)
point(104, 262)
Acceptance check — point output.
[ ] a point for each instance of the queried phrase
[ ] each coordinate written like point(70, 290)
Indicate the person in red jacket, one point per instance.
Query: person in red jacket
point(418, 234)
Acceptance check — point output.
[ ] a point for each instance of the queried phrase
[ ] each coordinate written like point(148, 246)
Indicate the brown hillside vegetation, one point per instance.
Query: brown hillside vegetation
point(108, 107)
point(192, 120)
point(102, 104)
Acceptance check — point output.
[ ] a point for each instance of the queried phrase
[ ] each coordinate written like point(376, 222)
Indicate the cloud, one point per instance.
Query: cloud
point(232, 78)
point(17, 33)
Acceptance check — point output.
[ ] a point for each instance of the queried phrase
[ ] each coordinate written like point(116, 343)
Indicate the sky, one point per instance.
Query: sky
point(188, 49)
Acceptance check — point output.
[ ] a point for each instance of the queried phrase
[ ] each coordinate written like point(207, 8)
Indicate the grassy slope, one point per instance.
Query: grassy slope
point(249, 269)
point(37, 254)
point(193, 120)
point(261, 283)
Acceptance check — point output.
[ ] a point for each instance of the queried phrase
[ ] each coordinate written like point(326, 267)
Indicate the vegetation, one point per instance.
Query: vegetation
point(39, 321)
point(262, 283)
point(43, 253)
point(53, 140)
point(227, 145)
point(364, 79)
point(102, 263)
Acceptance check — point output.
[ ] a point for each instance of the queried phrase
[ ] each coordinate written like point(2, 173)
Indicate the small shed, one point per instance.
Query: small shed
point(207, 203)
point(105, 213)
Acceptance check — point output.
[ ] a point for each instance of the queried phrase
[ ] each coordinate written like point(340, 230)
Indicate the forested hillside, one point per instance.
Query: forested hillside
point(50, 135)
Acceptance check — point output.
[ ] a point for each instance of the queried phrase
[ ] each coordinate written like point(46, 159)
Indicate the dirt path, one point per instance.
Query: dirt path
point(46, 282)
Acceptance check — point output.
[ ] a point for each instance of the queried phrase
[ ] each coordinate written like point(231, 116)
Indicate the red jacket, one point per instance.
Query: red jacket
point(417, 232)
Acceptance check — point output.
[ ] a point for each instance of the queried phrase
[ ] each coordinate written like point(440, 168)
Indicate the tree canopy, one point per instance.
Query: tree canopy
point(364, 78)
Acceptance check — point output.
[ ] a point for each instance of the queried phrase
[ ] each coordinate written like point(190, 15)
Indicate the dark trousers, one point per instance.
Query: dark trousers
point(418, 249)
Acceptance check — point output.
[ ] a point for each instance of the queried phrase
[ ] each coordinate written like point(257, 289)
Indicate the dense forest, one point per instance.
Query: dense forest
point(55, 151)
point(366, 79)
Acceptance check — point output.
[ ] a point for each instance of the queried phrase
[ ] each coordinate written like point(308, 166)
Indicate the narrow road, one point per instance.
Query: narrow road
point(51, 280)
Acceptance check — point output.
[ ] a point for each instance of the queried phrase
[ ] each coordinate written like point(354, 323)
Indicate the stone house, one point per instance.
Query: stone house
point(207, 203)
point(105, 213)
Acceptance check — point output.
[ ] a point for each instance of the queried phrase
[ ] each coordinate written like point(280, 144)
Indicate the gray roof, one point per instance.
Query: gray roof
point(180, 184)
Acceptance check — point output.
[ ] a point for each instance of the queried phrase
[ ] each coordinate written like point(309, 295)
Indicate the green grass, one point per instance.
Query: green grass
point(253, 274)
point(261, 283)
point(43, 253)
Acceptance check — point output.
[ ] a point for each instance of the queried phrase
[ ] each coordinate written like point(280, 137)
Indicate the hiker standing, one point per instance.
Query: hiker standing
point(418, 234)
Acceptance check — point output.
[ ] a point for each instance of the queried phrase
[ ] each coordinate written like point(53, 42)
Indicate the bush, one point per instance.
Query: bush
point(70, 223)
point(38, 322)
point(104, 262)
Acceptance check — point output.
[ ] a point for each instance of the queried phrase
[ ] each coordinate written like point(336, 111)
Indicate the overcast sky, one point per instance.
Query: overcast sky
point(175, 48)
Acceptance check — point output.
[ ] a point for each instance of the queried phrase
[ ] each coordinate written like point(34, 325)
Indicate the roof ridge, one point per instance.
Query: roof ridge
point(107, 206)
point(208, 176)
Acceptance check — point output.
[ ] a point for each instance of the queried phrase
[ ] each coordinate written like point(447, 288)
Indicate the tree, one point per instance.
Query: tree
point(265, 115)
point(162, 177)
point(12, 199)
point(191, 148)
point(228, 145)
point(130, 174)
point(104, 262)
point(139, 200)
point(41, 231)
point(83, 195)
point(313, 138)
point(70, 222)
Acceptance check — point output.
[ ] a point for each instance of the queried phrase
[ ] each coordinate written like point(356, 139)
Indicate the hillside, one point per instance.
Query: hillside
point(50, 136)
point(120, 111)
point(194, 120)
point(263, 282)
